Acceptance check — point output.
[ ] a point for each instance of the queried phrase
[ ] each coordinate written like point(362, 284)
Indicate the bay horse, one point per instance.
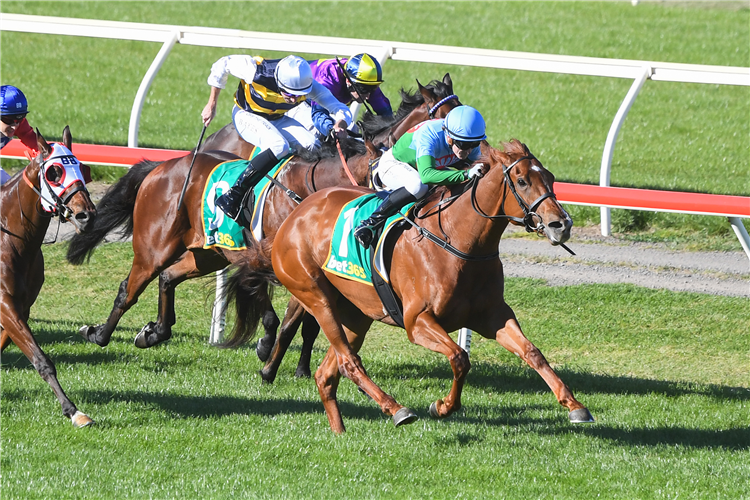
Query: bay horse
point(168, 243)
point(440, 291)
point(50, 185)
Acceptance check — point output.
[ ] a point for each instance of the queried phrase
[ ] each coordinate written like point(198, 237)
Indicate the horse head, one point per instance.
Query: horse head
point(528, 198)
point(439, 97)
point(61, 186)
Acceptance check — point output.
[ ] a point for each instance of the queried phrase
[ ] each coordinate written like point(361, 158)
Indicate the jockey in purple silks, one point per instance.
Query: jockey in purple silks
point(354, 79)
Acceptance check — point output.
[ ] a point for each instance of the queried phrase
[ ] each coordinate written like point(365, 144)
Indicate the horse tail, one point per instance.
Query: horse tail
point(114, 210)
point(249, 288)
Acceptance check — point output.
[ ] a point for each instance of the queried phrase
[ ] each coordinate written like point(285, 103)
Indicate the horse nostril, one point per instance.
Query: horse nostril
point(555, 225)
point(82, 217)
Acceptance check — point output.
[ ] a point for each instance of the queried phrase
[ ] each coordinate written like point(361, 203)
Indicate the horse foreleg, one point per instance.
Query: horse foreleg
point(327, 379)
point(292, 320)
point(17, 330)
point(101, 334)
point(428, 333)
point(512, 338)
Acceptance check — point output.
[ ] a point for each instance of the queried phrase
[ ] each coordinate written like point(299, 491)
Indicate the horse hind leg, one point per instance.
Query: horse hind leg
point(310, 331)
point(266, 344)
point(160, 331)
point(512, 338)
point(292, 320)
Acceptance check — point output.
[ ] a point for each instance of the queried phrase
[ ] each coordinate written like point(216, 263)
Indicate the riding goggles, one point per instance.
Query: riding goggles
point(12, 119)
point(466, 145)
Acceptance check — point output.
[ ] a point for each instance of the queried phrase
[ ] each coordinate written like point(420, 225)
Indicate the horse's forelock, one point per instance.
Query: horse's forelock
point(514, 146)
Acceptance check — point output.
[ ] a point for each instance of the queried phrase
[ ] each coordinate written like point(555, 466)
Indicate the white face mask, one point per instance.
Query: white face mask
point(71, 168)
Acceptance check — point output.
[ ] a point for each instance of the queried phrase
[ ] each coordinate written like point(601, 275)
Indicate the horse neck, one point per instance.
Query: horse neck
point(32, 224)
point(469, 231)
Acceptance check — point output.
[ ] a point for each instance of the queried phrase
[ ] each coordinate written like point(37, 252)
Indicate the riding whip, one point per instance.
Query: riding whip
point(192, 162)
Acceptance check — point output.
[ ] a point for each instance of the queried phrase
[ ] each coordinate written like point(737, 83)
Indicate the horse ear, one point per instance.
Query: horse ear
point(44, 148)
point(371, 149)
point(67, 138)
point(428, 94)
point(447, 80)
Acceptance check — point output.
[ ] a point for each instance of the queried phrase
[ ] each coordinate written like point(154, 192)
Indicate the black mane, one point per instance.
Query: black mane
point(372, 125)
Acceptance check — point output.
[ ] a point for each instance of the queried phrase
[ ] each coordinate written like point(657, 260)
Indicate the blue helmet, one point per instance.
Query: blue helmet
point(464, 123)
point(364, 69)
point(13, 101)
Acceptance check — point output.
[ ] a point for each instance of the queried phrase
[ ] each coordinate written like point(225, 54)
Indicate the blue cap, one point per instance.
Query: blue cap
point(13, 101)
point(464, 123)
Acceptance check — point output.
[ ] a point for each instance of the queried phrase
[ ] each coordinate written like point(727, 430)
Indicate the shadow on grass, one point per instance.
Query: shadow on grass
point(502, 378)
point(730, 439)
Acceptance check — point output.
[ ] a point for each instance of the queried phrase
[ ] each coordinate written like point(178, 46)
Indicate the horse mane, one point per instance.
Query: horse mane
point(349, 146)
point(514, 146)
point(372, 124)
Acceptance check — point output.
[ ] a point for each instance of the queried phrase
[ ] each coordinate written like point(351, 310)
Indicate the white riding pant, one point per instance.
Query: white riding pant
point(4, 176)
point(394, 174)
point(281, 136)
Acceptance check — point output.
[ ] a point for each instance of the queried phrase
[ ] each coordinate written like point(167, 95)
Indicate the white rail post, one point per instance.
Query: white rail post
point(609, 144)
point(140, 96)
point(218, 314)
point(464, 339)
point(741, 232)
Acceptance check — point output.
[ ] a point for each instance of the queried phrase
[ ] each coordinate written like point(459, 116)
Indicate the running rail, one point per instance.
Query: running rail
point(735, 208)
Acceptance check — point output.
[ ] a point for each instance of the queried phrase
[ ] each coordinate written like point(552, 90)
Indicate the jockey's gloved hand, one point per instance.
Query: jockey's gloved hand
point(475, 171)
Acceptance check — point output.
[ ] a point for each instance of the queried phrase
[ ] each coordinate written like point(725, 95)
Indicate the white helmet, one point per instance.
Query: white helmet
point(294, 76)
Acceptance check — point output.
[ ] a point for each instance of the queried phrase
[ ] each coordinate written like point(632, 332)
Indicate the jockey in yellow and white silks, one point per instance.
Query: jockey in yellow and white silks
point(268, 89)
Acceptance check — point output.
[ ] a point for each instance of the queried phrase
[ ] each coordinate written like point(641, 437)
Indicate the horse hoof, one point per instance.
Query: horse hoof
point(581, 416)
point(433, 410)
point(404, 416)
point(89, 335)
point(80, 420)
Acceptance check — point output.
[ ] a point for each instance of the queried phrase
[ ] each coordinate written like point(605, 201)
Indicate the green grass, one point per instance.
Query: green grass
point(687, 137)
point(665, 374)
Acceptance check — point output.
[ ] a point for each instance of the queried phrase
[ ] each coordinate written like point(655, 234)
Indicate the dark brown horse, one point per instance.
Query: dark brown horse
point(47, 187)
point(441, 291)
point(432, 101)
point(169, 243)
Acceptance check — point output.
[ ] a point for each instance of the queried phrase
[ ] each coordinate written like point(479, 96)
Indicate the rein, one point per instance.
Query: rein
point(527, 220)
point(343, 162)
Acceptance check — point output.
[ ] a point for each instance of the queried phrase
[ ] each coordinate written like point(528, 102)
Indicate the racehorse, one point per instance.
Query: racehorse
point(50, 185)
point(168, 242)
point(443, 283)
point(432, 101)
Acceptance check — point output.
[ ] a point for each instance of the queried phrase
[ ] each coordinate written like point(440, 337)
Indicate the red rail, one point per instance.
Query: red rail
point(576, 194)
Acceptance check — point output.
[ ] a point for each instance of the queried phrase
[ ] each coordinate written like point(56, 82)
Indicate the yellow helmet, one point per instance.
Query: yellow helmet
point(364, 69)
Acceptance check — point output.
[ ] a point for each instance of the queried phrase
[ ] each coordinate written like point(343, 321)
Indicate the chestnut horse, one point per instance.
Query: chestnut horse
point(432, 101)
point(24, 220)
point(441, 291)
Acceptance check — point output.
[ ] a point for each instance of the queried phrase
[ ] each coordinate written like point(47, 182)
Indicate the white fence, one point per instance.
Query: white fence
point(168, 36)
point(638, 71)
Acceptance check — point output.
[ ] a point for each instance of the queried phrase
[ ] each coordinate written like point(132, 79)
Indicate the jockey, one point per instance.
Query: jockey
point(420, 158)
point(268, 89)
point(14, 109)
point(355, 79)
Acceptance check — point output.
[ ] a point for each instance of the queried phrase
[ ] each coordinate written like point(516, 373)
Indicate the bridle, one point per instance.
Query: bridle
point(59, 205)
point(527, 220)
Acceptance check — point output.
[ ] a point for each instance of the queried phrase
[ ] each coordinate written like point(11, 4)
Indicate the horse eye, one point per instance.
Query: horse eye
point(521, 182)
point(54, 174)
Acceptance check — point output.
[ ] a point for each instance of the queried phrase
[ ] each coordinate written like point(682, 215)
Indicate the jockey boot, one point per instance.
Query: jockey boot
point(394, 202)
point(231, 201)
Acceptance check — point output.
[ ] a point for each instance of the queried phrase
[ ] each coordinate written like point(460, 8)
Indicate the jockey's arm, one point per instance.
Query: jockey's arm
point(380, 103)
point(240, 66)
point(429, 173)
point(337, 110)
